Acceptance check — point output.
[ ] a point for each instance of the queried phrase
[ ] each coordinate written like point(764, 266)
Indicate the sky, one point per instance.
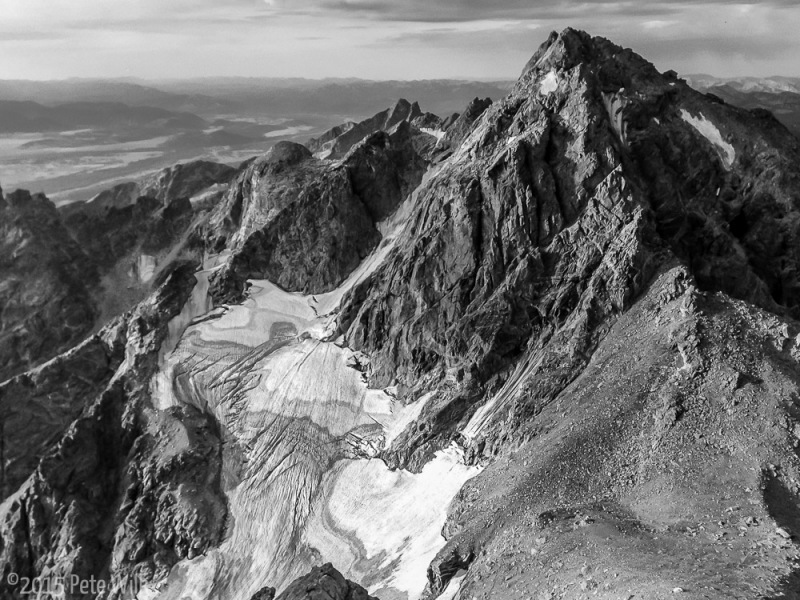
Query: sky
point(379, 39)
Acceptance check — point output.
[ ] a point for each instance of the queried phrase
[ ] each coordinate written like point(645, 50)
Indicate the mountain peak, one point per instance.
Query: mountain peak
point(616, 66)
point(24, 200)
point(287, 153)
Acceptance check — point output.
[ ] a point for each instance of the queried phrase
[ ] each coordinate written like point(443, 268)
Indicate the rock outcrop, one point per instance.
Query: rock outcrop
point(549, 221)
point(460, 127)
point(338, 141)
point(199, 180)
point(324, 583)
point(305, 223)
point(107, 499)
point(45, 277)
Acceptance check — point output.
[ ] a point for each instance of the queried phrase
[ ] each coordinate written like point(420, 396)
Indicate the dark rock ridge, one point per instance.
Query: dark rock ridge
point(67, 271)
point(101, 501)
point(186, 180)
point(306, 223)
point(322, 583)
point(45, 277)
point(336, 142)
point(460, 126)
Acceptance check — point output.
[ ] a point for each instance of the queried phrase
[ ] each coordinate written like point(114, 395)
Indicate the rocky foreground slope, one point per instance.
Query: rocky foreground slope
point(545, 349)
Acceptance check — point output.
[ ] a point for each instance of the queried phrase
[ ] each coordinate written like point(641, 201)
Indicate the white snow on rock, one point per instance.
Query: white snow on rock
point(709, 131)
point(145, 267)
point(299, 426)
point(452, 589)
point(437, 133)
point(548, 84)
point(375, 519)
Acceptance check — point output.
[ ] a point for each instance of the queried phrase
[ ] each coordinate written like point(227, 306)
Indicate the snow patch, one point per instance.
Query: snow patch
point(394, 517)
point(437, 133)
point(709, 131)
point(548, 84)
point(405, 415)
point(452, 589)
point(145, 267)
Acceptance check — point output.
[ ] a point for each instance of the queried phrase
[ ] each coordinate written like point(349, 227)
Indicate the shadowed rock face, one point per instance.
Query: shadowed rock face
point(66, 272)
point(324, 583)
point(45, 304)
point(385, 168)
point(143, 227)
point(305, 223)
point(107, 492)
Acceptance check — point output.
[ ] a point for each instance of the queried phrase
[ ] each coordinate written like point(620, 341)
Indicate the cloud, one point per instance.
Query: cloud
point(658, 24)
point(474, 10)
point(381, 38)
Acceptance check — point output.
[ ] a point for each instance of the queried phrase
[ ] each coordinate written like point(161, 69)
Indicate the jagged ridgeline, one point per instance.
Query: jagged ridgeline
point(546, 348)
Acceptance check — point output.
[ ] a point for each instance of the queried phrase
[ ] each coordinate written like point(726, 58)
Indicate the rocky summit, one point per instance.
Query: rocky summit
point(545, 348)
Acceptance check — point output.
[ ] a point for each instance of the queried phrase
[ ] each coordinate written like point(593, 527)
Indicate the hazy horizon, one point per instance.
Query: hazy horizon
point(44, 40)
point(500, 80)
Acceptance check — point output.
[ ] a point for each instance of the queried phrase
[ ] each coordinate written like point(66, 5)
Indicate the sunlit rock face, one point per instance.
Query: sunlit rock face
point(548, 221)
point(194, 181)
point(338, 141)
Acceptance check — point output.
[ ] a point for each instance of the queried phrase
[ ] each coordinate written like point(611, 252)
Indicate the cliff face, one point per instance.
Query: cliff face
point(194, 180)
point(100, 497)
point(67, 271)
point(44, 284)
point(336, 142)
point(305, 223)
point(548, 348)
point(549, 221)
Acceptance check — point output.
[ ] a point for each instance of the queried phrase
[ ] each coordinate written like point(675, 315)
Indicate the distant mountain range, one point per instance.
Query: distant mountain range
point(775, 84)
point(86, 126)
point(240, 95)
point(31, 117)
point(779, 95)
point(99, 90)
